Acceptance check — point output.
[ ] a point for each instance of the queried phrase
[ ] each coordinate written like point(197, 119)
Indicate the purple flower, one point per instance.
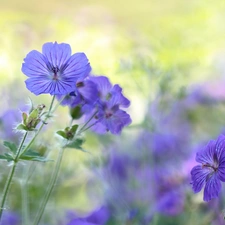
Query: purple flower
point(97, 217)
point(54, 71)
point(212, 169)
point(109, 116)
point(10, 218)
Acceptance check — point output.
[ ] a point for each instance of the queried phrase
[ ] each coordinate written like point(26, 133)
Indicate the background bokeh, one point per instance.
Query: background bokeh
point(169, 57)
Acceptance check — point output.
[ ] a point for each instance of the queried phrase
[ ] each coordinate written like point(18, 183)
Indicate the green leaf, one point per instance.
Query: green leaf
point(74, 128)
point(77, 143)
point(61, 133)
point(11, 146)
point(22, 127)
point(7, 157)
point(33, 156)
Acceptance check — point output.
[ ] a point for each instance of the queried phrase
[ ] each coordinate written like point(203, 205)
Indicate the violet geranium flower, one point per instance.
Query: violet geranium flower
point(109, 115)
point(54, 71)
point(212, 169)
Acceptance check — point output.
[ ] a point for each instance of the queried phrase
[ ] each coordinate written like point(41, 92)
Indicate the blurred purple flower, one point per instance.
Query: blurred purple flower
point(8, 122)
point(10, 218)
point(109, 116)
point(212, 169)
point(55, 71)
point(169, 194)
point(97, 217)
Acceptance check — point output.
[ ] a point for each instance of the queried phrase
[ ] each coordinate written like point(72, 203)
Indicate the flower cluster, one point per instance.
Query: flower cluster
point(68, 77)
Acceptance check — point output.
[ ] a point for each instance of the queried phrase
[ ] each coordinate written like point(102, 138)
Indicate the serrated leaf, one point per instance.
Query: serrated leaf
point(11, 146)
point(77, 143)
point(33, 156)
point(7, 157)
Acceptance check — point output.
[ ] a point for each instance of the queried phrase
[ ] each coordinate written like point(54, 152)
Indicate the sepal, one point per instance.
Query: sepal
point(31, 120)
point(68, 133)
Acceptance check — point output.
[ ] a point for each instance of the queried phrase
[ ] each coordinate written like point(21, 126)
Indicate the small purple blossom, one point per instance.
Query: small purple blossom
point(109, 116)
point(10, 218)
point(54, 71)
point(212, 169)
point(98, 217)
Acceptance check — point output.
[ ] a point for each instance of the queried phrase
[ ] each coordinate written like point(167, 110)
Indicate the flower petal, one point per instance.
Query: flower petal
point(35, 65)
point(206, 155)
point(56, 54)
point(198, 177)
point(88, 91)
point(220, 146)
point(37, 85)
point(103, 85)
point(76, 67)
point(118, 120)
point(122, 101)
point(212, 188)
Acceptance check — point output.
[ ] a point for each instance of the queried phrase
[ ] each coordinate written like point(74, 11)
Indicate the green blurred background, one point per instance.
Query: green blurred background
point(130, 41)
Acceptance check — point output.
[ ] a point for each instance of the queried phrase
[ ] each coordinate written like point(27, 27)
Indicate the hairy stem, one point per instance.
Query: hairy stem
point(50, 187)
point(9, 179)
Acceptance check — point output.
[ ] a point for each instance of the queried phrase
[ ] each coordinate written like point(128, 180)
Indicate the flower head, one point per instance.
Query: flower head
point(212, 169)
point(54, 71)
point(109, 116)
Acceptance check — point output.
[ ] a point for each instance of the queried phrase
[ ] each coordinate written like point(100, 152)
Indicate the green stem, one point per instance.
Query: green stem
point(50, 187)
point(25, 211)
point(9, 179)
point(82, 128)
point(18, 154)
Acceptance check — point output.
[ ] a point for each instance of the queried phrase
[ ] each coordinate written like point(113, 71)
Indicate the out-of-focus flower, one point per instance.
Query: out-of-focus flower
point(97, 217)
point(212, 169)
point(54, 71)
point(10, 218)
point(109, 116)
point(8, 122)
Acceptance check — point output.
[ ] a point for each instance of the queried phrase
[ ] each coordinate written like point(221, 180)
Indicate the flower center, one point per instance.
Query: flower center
point(214, 167)
point(55, 71)
point(108, 114)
